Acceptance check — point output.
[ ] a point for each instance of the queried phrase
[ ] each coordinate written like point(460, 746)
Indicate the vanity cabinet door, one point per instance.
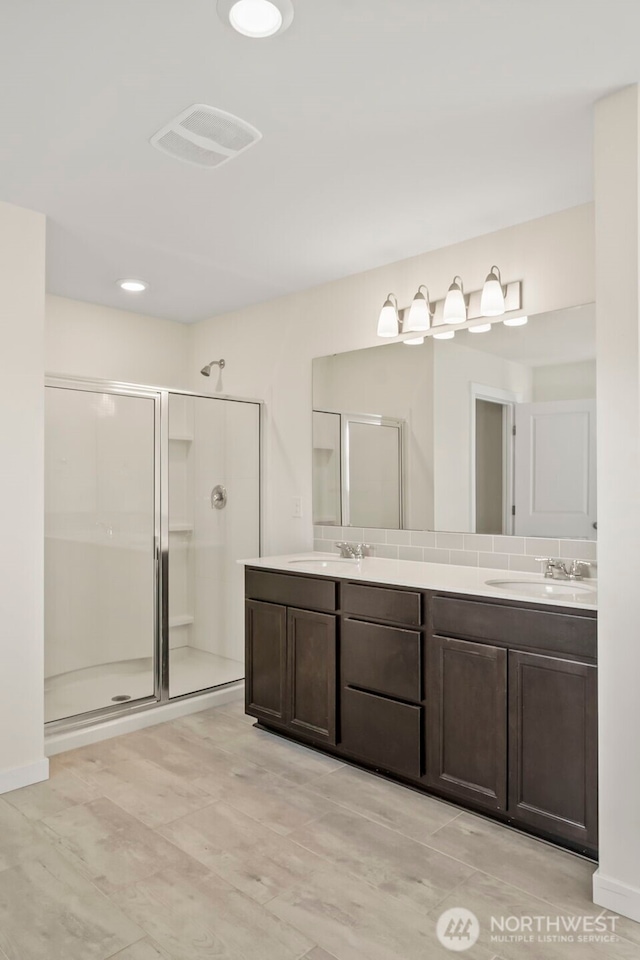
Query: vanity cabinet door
point(265, 658)
point(553, 746)
point(311, 674)
point(466, 719)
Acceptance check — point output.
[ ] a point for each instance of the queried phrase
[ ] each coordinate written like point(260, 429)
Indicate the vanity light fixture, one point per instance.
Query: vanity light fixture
point(445, 335)
point(389, 320)
point(455, 306)
point(425, 317)
point(133, 286)
point(421, 312)
point(492, 301)
point(257, 19)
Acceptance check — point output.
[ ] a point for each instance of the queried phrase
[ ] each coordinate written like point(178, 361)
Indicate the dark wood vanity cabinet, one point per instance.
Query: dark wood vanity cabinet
point(553, 736)
point(515, 733)
point(311, 674)
point(266, 660)
point(467, 720)
point(515, 730)
point(381, 685)
point(291, 656)
point(492, 704)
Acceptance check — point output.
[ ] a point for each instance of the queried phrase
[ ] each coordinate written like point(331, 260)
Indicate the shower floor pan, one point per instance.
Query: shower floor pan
point(80, 691)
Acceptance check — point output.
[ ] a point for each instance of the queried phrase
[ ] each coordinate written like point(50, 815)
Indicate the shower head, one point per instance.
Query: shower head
point(206, 371)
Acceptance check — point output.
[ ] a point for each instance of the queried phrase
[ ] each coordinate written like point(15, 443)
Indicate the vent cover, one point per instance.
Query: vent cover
point(205, 136)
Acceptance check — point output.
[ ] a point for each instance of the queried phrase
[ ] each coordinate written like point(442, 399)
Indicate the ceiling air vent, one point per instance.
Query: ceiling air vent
point(205, 136)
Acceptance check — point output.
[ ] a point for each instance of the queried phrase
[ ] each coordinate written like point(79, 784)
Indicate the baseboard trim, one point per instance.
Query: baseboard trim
point(60, 741)
point(24, 776)
point(615, 896)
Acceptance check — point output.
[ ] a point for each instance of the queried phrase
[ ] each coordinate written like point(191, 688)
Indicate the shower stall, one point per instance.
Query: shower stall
point(151, 496)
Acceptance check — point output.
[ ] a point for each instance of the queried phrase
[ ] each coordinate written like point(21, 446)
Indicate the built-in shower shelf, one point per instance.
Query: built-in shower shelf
point(181, 528)
point(182, 621)
point(181, 437)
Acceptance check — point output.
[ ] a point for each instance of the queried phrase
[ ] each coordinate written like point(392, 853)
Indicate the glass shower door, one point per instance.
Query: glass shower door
point(214, 520)
point(101, 523)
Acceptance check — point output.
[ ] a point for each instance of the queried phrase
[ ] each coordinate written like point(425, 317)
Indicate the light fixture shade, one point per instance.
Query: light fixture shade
point(389, 322)
point(455, 308)
point(480, 328)
point(516, 321)
point(419, 313)
point(492, 299)
point(445, 335)
point(413, 341)
point(256, 19)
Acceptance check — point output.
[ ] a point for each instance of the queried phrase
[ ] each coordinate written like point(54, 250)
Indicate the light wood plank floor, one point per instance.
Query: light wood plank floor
point(206, 838)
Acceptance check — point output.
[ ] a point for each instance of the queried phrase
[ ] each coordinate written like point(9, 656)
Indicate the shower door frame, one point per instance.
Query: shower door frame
point(160, 397)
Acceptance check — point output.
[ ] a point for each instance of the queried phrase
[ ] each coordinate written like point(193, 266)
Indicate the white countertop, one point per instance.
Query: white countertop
point(434, 576)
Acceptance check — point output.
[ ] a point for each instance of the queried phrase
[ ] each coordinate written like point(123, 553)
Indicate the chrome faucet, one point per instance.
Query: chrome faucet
point(558, 570)
point(352, 551)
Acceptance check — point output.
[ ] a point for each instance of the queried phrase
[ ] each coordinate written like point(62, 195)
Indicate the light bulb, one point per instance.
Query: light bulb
point(455, 308)
point(516, 321)
point(480, 328)
point(414, 341)
point(255, 18)
point(492, 299)
point(388, 322)
point(419, 313)
point(133, 286)
point(447, 335)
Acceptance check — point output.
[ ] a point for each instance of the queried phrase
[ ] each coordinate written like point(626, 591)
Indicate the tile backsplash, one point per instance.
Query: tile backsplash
point(465, 549)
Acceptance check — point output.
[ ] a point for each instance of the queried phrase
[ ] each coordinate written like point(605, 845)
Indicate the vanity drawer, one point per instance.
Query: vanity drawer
point(382, 659)
point(382, 732)
point(308, 593)
point(541, 630)
point(382, 603)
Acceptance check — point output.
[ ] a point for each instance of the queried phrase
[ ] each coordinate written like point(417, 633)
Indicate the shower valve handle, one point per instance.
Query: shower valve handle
point(219, 497)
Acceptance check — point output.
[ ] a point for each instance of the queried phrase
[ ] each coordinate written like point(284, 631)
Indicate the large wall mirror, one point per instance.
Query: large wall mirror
point(486, 433)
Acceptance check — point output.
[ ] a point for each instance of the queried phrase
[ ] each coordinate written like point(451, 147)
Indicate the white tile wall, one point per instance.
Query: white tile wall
point(466, 549)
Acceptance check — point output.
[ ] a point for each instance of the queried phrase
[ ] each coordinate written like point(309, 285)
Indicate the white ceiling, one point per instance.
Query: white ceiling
point(390, 127)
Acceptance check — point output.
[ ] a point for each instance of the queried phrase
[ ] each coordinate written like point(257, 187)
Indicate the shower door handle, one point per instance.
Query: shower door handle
point(219, 497)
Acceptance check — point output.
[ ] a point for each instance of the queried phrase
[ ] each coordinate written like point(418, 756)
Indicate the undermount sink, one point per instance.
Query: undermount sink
point(542, 588)
point(324, 561)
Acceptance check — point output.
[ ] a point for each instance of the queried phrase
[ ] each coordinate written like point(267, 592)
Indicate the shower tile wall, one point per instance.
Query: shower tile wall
point(465, 549)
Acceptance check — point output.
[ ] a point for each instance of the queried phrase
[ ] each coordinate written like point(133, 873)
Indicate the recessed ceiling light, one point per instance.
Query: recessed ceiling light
point(257, 19)
point(516, 321)
point(133, 286)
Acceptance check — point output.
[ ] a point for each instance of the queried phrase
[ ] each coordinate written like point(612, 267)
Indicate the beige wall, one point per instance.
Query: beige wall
point(86, 340)
point(269, 347)
point(617, 179)
point(456, 368)
point(22, 272)
point(565, 381)
point(394, 382)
